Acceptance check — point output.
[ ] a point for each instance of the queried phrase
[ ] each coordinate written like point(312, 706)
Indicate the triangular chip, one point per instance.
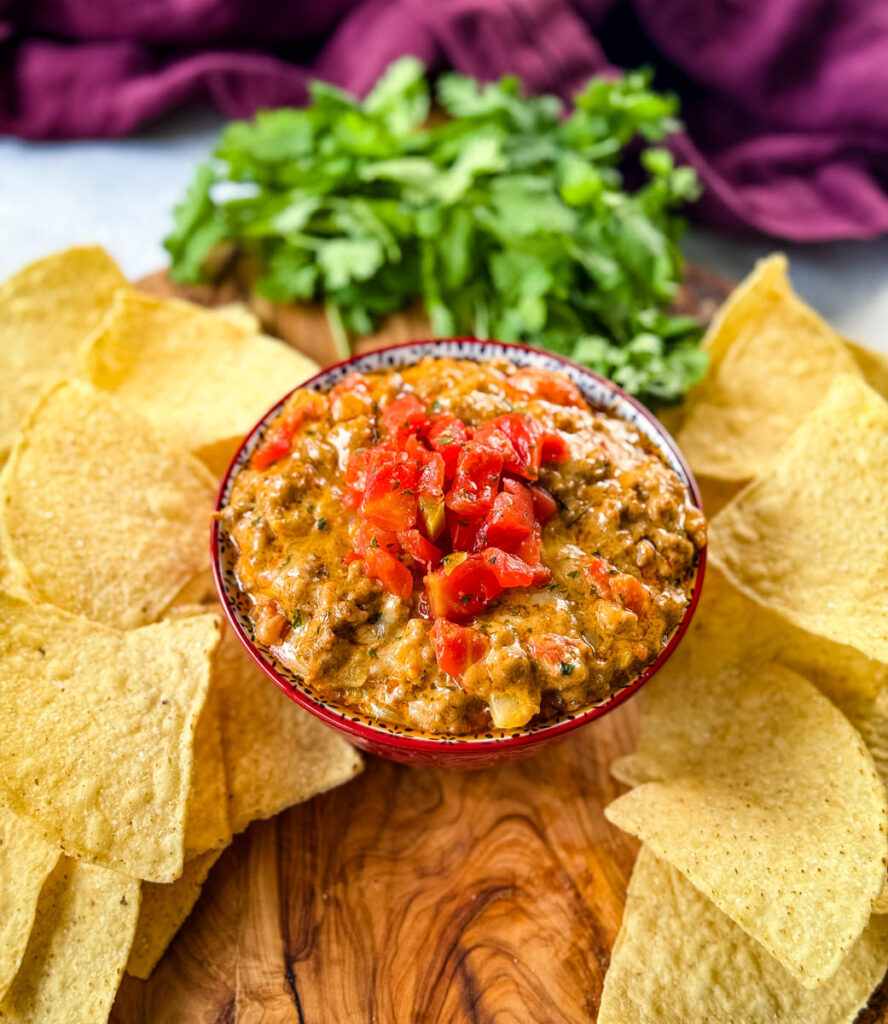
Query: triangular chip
point(679, 960)
point(97, 732)
point(25, 862)
point(873, 366)
point(692, 698)
point(47, 310)
point(86, 919)
point(810, 537)
point(101, 518)
point(275, 753)
point(163, 912)
point(202, 380)
point(784, 826)
point(207, 825)
point(870, 719)
point(772, 359)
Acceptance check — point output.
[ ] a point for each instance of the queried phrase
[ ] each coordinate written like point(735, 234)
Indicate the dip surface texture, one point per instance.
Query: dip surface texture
point(612, 557)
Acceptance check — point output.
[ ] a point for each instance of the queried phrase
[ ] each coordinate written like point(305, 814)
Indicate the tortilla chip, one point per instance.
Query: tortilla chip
point(772, 359)
point(102, 519)
point(240, 314)
point(97, 730)
point(275, 753)
point(715, 494)
point(810, 537)
point(86, 919)
point(784, 828)
point(873, 366)
point(163, 912)
point(207, 826)
point(200, 379)
point(692, 698)
point(25, 862)
point(679, 960)
point(871, 721)
point(46, 312)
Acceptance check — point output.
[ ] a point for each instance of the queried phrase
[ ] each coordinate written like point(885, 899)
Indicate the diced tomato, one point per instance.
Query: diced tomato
point(552, 649)
point(457, 648)
point(555, 448)
point(271, 623)
point(356, 478)
point(544, 505)
point(447, 434)
point(631, 593)
point(275, 446)
point(546, 385)
point(405, 417)
point(276, 443)
point(369, 536)
point(432, 486)
point(422, 551)
point(431, 475)
point(529, 551)
point(351, 397)
point(462, 591)
point(475, 482)
point(619, 587)
point(599, 572)
point(391, 573)
point(526, 436)
point(510, 520)
point(466, 589)
point(389, 499)
point(492, 436)
point(465, 532)
point(509, 570)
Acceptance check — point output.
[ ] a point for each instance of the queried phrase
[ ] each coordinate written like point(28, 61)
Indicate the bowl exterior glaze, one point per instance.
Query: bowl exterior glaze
point(408, 746)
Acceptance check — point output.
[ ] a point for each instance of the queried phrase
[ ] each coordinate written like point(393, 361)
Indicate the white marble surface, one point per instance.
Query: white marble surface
point(119, 194)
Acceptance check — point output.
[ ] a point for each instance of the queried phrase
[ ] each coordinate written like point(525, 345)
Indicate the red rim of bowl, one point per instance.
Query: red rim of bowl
point(386, 737)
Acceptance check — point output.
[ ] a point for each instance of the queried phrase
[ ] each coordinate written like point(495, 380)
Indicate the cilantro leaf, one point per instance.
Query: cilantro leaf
point(506, 218)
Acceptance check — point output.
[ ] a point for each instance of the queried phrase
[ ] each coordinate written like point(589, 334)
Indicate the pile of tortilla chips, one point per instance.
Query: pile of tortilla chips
point(135, 736)
point(759, 779)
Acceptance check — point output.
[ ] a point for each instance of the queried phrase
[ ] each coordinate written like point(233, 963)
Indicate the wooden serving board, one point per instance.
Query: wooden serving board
point(414, 896)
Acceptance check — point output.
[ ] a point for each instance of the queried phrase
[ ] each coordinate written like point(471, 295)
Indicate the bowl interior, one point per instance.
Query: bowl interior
point(596, 390)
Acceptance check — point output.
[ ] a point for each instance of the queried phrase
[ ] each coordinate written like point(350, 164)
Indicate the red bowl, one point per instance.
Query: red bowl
point(411, 746)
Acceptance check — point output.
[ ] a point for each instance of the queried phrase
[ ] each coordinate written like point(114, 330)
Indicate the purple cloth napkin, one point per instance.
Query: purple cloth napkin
point(784, 100)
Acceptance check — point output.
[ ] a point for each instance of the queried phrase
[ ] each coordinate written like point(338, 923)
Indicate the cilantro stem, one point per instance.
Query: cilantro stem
point(337, 329)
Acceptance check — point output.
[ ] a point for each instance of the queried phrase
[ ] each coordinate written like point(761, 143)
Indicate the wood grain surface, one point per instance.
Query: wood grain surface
point(414, 896)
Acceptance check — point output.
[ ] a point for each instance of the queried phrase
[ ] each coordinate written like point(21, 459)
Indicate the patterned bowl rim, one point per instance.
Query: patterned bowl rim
point(362, 728)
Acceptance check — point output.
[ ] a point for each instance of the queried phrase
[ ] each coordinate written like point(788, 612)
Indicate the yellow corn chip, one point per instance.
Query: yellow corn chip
point(97, 730)
point(207, 826)
point(873, 366)
point(200, 379)
point(810, 537)
point(275, 753)
point(679, 960)
point(240, 314)
point(783, 827)
point(692, 698)
point(772, 359)
point(163, 912)
point(46, 312)
point(25, 862)
point(86, 918)
point(102, 519)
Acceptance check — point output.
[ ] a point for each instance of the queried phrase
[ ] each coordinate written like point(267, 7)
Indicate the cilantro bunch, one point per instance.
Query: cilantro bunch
point(508, 219)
